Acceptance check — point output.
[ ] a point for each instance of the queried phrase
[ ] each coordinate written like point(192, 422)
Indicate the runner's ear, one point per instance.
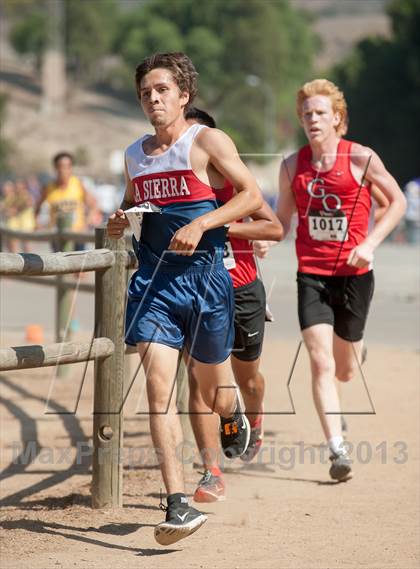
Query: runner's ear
point(185, 97)
point(337, 119)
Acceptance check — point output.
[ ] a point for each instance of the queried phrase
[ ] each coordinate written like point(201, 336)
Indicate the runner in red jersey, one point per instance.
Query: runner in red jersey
point(250, 308)
point(329, 183)
point(325, 201)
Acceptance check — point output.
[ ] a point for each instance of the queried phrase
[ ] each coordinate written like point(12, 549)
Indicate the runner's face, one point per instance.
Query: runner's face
point(160, 97)
point(64, 169)
point(318, 118)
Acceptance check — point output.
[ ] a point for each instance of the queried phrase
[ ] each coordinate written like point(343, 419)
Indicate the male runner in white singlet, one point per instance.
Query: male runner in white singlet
point(181, 297)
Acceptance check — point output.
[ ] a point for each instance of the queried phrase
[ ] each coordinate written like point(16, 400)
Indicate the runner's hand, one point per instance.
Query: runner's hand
point(186, 239)
point(261, 248)
point(117, 222)
point(361, 256)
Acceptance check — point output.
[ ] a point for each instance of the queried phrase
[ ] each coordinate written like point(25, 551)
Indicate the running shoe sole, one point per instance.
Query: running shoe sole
point(167, 533)
point(341, 472)
point(207, 497)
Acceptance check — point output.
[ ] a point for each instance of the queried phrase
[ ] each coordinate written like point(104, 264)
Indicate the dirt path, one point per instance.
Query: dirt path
point(281, 512)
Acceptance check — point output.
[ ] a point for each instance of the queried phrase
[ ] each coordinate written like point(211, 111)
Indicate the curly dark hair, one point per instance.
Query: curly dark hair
point(56, 159)
point(180, 66)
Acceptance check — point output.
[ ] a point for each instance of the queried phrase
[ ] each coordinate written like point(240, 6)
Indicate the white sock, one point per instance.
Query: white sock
point(336, 445)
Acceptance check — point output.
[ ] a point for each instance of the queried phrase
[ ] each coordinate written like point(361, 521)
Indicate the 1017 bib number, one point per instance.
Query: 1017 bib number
point(328, 228)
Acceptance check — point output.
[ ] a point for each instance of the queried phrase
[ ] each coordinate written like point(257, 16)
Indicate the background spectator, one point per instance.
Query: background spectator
point(17, 212)
point(70, 205)
point(412, 214)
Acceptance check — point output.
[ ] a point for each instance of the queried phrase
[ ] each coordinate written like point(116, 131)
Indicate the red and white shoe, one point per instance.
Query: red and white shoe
point(211, 488)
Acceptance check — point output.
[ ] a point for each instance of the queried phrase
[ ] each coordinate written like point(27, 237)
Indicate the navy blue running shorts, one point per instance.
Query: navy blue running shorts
point(189, 307)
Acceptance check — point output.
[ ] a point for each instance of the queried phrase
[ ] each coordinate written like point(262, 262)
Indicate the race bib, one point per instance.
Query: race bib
point(328, 227)
point(228, 256)
point(135, 216)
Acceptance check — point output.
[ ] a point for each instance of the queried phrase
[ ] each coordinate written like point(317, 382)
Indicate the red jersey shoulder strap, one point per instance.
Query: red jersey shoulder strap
point(343, 156)
point(344, 160)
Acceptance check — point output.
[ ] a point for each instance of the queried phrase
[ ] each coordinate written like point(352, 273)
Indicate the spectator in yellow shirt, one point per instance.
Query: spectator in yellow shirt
point(68, 200)
point(17, 213)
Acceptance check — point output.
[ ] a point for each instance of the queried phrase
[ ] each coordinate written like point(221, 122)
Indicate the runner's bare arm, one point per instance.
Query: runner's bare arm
point(378, 175)
point(223, 155)
point(286, 205)
point(118, 221)
point(382, 202)
point(264, 225)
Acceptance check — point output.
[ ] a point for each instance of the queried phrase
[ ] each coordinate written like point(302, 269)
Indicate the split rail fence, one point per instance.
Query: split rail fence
point(110, 260)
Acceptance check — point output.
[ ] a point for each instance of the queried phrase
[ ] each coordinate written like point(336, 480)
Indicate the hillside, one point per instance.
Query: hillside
point(96, 124)
point(93, 126)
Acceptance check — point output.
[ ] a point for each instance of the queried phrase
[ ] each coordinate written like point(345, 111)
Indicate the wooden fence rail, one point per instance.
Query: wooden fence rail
point(55, 263)
point(27, 357)
point(20, 267)
point(110, 261)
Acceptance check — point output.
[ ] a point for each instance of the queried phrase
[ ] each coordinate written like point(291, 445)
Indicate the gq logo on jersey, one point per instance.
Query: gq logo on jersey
point(329, 224)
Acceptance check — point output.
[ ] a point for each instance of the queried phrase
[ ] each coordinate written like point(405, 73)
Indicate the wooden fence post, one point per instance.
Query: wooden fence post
point(110, 301)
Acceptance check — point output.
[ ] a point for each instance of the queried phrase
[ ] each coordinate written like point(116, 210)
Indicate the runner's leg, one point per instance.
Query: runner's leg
point(160, 365)
point(216, 386)
point(319, 343)
point(205, 423)
point(251, 383)
point(220, 394)
point(347, 356)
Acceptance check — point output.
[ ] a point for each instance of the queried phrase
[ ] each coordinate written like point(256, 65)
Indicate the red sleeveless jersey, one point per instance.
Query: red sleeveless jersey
point(333, 213)
point(239, 257)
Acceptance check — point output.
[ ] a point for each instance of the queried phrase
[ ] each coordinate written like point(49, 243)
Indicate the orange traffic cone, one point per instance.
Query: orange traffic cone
point(35, 334)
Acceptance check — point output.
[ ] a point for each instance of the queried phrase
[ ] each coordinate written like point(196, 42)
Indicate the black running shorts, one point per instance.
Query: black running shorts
point(342, 302)
point(249, 321)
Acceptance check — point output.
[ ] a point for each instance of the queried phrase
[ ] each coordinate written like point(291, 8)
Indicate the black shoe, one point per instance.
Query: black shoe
point(234, 434)
point(181, 521)
point(340, 469)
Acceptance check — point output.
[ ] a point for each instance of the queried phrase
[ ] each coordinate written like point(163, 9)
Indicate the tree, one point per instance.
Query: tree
point(251, 54)
point(5, 145)
point(229, 42)
point(28, 35)
point(381, 81)
point(88, 32)
point(89, 35)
